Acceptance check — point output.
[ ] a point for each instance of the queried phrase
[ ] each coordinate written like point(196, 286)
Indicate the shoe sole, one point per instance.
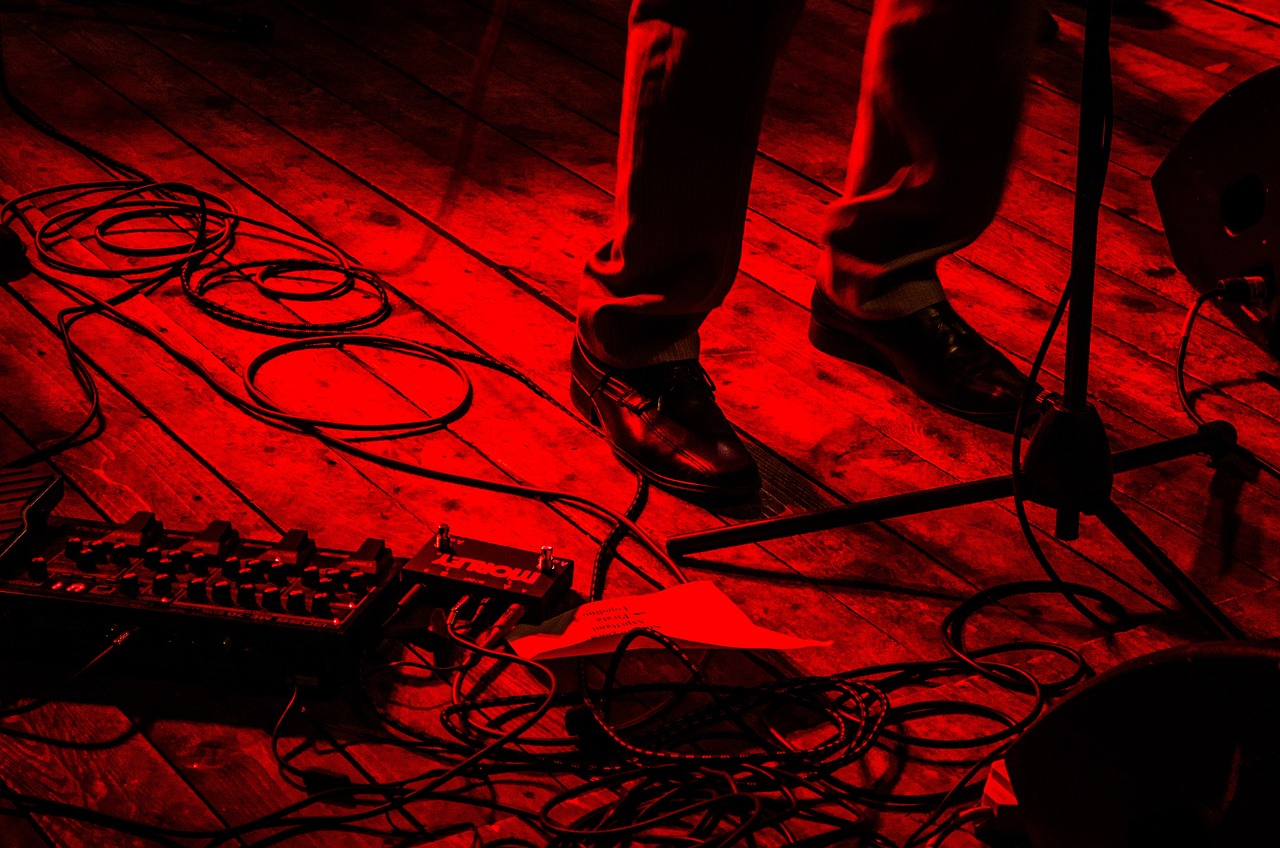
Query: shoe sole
point(852, 349)
point(691, 491)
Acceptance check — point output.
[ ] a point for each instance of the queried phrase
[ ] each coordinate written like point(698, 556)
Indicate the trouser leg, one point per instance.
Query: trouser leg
point(941, 94)
point(696, 76)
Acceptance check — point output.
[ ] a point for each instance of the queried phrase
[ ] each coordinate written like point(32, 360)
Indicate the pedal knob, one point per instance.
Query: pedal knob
point(197, 589)
point(221, 592)
point(246, 596)
point(327, 585)
point(120, 553)
point(231, 567)
point(199, 563)
point(311, 576)
point(151, 557)
point(320, 604)
point(164, 566)
point(296, 602)
point(271, 598)
point(75, 548)
point(88, 556)
point(357, 582)
point(162, 585)
point(38, 569)
point(278, 573)
point(100, 549)
point(129, 583)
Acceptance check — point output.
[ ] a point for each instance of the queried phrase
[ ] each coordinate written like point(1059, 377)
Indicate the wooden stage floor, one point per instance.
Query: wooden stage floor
point(361, 122)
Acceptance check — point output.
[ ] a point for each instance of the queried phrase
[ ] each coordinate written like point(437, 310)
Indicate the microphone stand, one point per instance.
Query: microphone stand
point(1069, 465)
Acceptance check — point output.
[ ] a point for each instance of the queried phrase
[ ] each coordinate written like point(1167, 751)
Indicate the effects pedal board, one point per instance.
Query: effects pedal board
point(450, 567)
point(208, 593)
point(235, 602)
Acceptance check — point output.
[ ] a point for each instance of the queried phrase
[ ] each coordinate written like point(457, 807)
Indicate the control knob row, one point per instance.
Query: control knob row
point(130, 584)
point(89, 555)
point(245, 595)
point(218, 591)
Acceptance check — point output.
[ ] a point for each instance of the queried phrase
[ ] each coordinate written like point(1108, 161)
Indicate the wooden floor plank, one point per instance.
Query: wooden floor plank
point(1004, 241)
point(112, 468)
point(321, 202)
point(1188, 548)
point(803, 87)
point(114, 771)
point(878, 653)
point(238, 359)
point(88, 754)
point(375, 86)
point(275, 85)
point(361, 124)
point(845, 653)
point(233, 767)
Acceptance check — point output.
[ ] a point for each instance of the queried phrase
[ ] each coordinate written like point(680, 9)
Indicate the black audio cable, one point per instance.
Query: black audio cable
point(1094, 194)
point(117, 641)
point(198, 212)
point(718, 799)
point(1252, 289)
point(311, 779)
point(209, 226)
point(422, 786)
point(661, 782)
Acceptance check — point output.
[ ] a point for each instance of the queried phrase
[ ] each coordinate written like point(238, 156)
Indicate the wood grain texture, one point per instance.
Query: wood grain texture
point(361, 123)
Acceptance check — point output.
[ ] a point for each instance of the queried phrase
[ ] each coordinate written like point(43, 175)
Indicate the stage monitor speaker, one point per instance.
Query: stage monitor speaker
point(1217, 190)
point(1178, 749)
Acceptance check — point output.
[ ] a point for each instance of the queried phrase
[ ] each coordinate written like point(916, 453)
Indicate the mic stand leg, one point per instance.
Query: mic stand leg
point(1181, 587)
point(1069, 465)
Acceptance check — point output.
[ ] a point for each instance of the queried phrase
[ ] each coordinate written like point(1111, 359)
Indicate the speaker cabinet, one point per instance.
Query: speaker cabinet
point(1179, 749)
point(1217, 193)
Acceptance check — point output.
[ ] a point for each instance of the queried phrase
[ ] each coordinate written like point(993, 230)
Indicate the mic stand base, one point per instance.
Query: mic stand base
point(1054, 480)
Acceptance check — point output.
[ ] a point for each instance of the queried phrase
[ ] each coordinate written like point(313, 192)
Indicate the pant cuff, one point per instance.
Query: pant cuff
point(619, 350)
point(901, 300)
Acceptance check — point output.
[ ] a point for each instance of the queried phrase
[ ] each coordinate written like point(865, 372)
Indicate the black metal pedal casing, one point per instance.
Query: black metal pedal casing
point(204, 597)
point(450, 567)
point(208, 601)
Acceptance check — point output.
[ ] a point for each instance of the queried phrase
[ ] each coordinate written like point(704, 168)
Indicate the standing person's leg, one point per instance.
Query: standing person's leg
point(696, 76)
point(941, 95)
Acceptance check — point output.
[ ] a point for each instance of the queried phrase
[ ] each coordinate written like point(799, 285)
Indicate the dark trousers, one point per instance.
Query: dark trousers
point(941, 94)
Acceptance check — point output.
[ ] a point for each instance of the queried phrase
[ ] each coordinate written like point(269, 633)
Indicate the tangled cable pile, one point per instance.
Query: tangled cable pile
point(704, 763)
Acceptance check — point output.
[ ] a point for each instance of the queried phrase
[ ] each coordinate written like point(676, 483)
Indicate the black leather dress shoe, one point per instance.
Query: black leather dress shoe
point(663, 421)
point(933, 352)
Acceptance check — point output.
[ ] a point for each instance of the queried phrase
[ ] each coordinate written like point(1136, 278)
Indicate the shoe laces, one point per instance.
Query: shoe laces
point(682, 375)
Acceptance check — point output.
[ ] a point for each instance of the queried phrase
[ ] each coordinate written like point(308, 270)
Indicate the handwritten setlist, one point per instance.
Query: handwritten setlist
point(696, 615)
